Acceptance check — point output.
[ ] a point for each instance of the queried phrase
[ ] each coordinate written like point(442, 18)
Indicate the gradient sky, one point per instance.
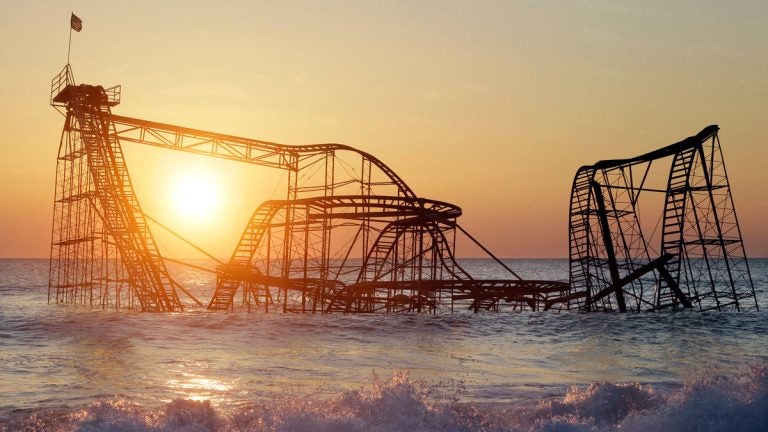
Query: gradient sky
point(489, 105)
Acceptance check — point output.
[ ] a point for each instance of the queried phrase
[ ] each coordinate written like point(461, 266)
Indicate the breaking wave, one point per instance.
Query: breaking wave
point(400, 403)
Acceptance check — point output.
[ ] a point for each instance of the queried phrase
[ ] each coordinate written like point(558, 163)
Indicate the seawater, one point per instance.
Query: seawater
point(65, 368)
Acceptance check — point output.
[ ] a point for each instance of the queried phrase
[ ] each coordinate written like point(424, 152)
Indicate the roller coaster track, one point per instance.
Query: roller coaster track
point(263, 153)
point(405, 212)
point(701, 262)
point(353, 237)
point(297, 254)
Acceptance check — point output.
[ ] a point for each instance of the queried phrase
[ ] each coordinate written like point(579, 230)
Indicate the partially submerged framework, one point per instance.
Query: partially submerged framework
point(693, 257)
point(351, 236)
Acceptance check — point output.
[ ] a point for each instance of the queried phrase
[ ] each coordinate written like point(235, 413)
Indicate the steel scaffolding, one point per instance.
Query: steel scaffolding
point(700, 261)
point(102, 251)
point(350, 236)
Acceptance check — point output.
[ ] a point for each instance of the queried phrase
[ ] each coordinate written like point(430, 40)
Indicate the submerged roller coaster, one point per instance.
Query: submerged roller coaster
point(352, 237)
point(694, 259)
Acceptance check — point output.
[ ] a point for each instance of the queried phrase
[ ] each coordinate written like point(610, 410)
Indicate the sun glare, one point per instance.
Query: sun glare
point(194, 196)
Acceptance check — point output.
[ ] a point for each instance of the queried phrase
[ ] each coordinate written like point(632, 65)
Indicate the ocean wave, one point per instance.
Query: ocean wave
point(400, 403)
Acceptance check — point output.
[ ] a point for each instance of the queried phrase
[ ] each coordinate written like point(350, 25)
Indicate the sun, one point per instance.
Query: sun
point(194, 196)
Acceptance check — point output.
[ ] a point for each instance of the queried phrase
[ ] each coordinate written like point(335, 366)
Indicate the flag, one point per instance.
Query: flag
point(77, 23)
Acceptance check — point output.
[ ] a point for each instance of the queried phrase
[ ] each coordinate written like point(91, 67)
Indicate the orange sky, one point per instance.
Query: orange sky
point(491, 105)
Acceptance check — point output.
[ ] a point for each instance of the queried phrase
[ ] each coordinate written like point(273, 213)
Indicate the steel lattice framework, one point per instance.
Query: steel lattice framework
point(700, 262)
point(351, 235)
point(102, 251)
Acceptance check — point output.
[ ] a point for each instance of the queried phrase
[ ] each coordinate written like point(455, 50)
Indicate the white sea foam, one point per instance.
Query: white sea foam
point(720, 403)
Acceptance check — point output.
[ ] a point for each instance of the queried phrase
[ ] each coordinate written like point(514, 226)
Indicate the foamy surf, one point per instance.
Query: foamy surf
point(400, 403)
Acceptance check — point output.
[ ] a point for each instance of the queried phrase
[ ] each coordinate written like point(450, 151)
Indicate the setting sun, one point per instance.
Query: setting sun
point(194, 196)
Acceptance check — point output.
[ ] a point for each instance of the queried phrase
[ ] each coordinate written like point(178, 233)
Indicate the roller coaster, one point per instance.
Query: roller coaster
point(700, 262)
point(352, 237)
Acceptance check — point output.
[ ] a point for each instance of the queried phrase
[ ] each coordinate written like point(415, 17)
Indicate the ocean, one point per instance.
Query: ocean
point(65, 368)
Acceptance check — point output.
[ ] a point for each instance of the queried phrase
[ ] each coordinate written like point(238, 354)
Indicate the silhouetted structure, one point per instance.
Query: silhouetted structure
point(351, 235)
point(102, 251)
point(699, 261)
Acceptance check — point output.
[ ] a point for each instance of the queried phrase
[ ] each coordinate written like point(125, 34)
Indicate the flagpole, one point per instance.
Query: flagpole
point(69, 45)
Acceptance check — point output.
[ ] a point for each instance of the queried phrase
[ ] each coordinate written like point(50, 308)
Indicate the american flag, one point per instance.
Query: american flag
point(77, 23)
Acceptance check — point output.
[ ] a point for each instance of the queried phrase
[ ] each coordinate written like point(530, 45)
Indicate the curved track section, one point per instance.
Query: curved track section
point(363, 254)
point(318, 246)
point(293, 158)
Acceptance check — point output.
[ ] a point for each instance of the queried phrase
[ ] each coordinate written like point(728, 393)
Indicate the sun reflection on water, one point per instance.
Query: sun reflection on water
point(198, 388)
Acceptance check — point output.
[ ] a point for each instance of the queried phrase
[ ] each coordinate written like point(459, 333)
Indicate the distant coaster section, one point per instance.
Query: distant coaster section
point(620, 261)
point(350, 236)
